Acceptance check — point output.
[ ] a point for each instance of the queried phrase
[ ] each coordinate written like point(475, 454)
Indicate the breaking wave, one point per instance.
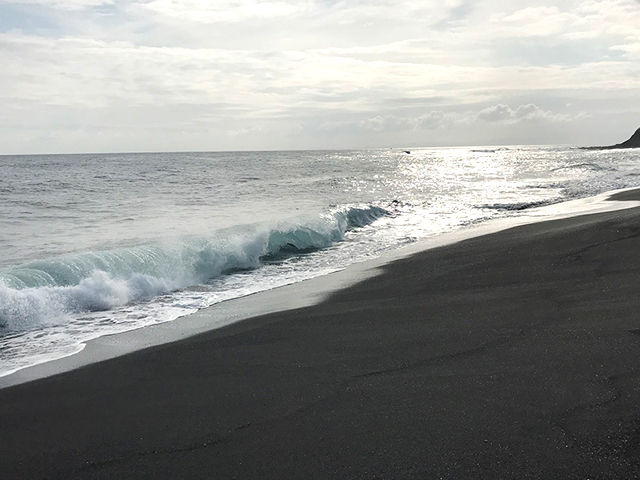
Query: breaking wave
point(582, 166)
point(49, 290)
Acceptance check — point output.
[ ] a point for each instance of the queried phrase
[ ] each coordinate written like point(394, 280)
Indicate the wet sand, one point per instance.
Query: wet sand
point(511, 355)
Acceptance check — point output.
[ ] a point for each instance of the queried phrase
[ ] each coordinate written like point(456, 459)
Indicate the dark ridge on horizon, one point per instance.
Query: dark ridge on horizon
point(633, 142)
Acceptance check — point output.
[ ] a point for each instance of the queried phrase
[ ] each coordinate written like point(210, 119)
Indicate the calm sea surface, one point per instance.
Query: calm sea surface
point(97, 244)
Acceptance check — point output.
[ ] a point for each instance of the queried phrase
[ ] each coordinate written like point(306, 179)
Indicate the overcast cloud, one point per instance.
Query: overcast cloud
point(175, 75)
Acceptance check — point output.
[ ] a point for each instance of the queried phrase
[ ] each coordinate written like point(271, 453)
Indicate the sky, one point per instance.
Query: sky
point(196, 75)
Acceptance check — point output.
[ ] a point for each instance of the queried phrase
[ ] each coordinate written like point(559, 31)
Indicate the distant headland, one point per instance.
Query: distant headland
point(633, 142)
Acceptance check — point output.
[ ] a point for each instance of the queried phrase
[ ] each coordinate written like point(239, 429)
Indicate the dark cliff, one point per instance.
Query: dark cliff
point(633, 142)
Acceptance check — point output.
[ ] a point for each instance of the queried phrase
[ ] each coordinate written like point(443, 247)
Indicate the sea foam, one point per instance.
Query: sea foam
point(48, 291)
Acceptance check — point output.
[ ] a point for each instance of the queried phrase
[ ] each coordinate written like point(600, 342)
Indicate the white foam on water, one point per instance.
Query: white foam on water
point(294, 294)
point(384, 202)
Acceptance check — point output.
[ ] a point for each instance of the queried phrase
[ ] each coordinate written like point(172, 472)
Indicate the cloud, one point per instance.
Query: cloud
point(565, 32)
point(207, 11)
point(534, 21)
point(505, 114)
point(64, 4)
point(439, 119)
point(245, 131)
point(429, 121)
point(91, 72)
point(406, 68)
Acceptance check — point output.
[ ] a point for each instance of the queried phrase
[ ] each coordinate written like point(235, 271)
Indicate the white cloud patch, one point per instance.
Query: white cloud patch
point(500, 114)
point(207, 11)
point(563, 31)
point(245, 131)
point(64, 4)
point(533, 21)
point(505, 114)
point(430, 121)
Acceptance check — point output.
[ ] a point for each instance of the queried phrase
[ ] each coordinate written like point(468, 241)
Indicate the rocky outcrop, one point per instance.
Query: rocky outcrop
point(633, 142)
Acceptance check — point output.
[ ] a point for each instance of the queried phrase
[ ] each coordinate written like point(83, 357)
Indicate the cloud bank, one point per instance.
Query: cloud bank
point(94, 75)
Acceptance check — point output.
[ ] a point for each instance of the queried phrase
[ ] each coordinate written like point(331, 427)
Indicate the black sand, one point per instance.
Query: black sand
point(513, 355)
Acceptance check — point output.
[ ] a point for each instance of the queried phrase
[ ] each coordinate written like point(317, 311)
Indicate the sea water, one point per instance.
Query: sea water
point(92, 245)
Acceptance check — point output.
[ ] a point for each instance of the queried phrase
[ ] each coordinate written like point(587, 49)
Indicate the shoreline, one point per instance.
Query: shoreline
point(306, 293)
point(507, 355)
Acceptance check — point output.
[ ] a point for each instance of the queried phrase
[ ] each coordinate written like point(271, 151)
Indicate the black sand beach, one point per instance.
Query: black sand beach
point(512, 355)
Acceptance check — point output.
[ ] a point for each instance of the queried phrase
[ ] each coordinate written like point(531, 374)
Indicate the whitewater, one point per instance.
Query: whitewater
point(92, 245)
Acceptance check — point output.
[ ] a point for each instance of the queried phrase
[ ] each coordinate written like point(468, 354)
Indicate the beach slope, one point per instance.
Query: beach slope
point(511, 355)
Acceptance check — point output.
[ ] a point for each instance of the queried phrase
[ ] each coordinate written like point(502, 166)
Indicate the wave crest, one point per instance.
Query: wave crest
point(47, 291)
point(517, 206)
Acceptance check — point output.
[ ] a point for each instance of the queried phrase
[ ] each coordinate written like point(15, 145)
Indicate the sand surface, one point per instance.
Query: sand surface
point(511, 355)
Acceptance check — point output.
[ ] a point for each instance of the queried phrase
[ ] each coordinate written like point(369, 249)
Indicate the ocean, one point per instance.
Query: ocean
point(96, 244)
